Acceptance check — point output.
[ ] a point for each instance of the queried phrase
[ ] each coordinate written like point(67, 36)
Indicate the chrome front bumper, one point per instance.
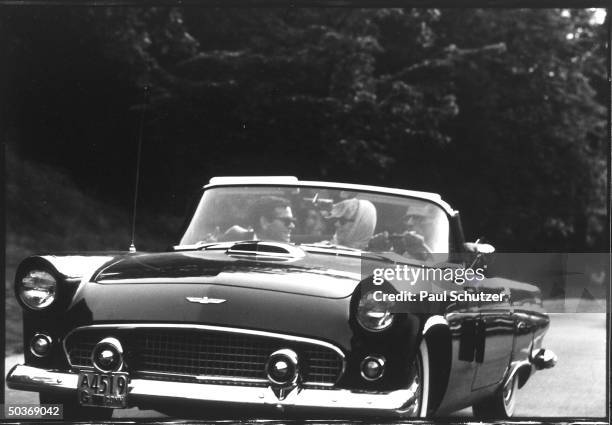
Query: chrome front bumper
point(142, 391)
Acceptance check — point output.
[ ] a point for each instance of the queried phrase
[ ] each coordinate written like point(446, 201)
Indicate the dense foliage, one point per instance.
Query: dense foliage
point(500, 111)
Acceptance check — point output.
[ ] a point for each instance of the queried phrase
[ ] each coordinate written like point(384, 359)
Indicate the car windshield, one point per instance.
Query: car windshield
point(320, 217)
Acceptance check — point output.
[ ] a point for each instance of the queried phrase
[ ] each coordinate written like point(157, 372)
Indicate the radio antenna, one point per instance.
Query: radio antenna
point(138, 155)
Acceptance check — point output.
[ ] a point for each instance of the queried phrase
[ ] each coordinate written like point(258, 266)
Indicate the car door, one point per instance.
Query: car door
point(462, 317)
point(494, 333)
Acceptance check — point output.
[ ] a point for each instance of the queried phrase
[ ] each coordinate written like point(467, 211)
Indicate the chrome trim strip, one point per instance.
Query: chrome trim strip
point(100, 272)
point(343, 252)
point(142, 390)
point(225, 329)
point(434, 321)
point(202, 377)
point(82, 368)
point(230, 379)
point(317, 384)
point(514, 367)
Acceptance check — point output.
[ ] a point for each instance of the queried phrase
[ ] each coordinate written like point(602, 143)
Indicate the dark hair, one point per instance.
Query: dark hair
point(302, 213)
point(265, 207)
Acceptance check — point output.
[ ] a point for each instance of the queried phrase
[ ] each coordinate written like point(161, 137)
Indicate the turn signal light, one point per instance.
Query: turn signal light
point(40, 345)
point(372, 368)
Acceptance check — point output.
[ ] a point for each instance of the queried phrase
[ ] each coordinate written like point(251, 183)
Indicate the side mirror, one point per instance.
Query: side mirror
point(479, 248)
point(480, 253)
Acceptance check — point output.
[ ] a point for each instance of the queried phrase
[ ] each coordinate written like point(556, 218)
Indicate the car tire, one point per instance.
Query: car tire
point(73, 411)
point(419, 382)
point(501, 404)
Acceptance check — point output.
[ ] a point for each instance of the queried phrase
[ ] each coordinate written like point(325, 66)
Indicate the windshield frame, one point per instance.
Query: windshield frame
point(435, 199)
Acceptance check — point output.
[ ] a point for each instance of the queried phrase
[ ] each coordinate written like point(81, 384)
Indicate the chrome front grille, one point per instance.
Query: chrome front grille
point(206, 353)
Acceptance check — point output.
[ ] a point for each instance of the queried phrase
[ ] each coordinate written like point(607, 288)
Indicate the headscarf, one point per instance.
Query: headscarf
point(363, 214)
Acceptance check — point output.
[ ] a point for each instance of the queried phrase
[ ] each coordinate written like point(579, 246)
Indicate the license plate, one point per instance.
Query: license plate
point(103, 389)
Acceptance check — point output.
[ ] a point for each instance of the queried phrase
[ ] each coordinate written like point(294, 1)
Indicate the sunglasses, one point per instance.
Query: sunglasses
point(343, 220)
point(287, 221)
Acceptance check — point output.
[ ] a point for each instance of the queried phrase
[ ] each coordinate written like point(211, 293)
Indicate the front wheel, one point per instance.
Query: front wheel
point(73, 411)
point(500, 405)
point(419, 384)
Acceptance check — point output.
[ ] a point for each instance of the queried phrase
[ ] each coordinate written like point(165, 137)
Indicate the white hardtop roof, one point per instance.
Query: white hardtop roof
point(293, 181)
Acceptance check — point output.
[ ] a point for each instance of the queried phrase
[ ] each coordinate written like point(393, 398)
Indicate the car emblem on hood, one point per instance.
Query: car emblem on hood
point(205, 300)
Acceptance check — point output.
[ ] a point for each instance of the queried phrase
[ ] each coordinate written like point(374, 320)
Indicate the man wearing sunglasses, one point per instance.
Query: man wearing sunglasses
point(272, 219)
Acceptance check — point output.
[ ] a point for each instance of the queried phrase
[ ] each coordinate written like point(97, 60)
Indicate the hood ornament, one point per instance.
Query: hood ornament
point(205, 300)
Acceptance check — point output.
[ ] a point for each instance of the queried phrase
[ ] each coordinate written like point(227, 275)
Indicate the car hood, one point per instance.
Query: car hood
point(316, 274)
point(309, 296)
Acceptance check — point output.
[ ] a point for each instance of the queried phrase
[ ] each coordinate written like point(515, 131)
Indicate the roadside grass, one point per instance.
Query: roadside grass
point(47, 212)
point(574, 305)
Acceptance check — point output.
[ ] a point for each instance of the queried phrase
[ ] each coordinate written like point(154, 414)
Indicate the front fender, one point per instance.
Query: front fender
point(69, 267)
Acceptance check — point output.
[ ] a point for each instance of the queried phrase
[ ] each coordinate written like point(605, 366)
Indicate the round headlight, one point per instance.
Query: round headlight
point(37, 289)
point(374, 315)
point(372, 368)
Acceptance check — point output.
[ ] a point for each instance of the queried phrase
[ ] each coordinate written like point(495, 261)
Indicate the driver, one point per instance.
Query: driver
point(270, 218)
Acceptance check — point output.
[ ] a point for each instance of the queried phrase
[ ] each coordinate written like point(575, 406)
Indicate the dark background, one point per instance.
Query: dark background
point(501, 111)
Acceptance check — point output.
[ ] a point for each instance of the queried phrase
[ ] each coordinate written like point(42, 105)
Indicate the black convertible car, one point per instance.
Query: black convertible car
point(285, 297)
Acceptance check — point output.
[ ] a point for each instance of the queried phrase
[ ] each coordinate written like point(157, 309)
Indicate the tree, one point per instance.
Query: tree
point(530, 127)
point(497, 109)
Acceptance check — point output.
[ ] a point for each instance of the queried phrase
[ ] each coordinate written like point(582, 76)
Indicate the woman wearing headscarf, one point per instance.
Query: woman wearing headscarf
point(355, 221)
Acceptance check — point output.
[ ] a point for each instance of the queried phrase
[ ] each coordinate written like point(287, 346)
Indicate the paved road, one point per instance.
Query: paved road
point(576, 387)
